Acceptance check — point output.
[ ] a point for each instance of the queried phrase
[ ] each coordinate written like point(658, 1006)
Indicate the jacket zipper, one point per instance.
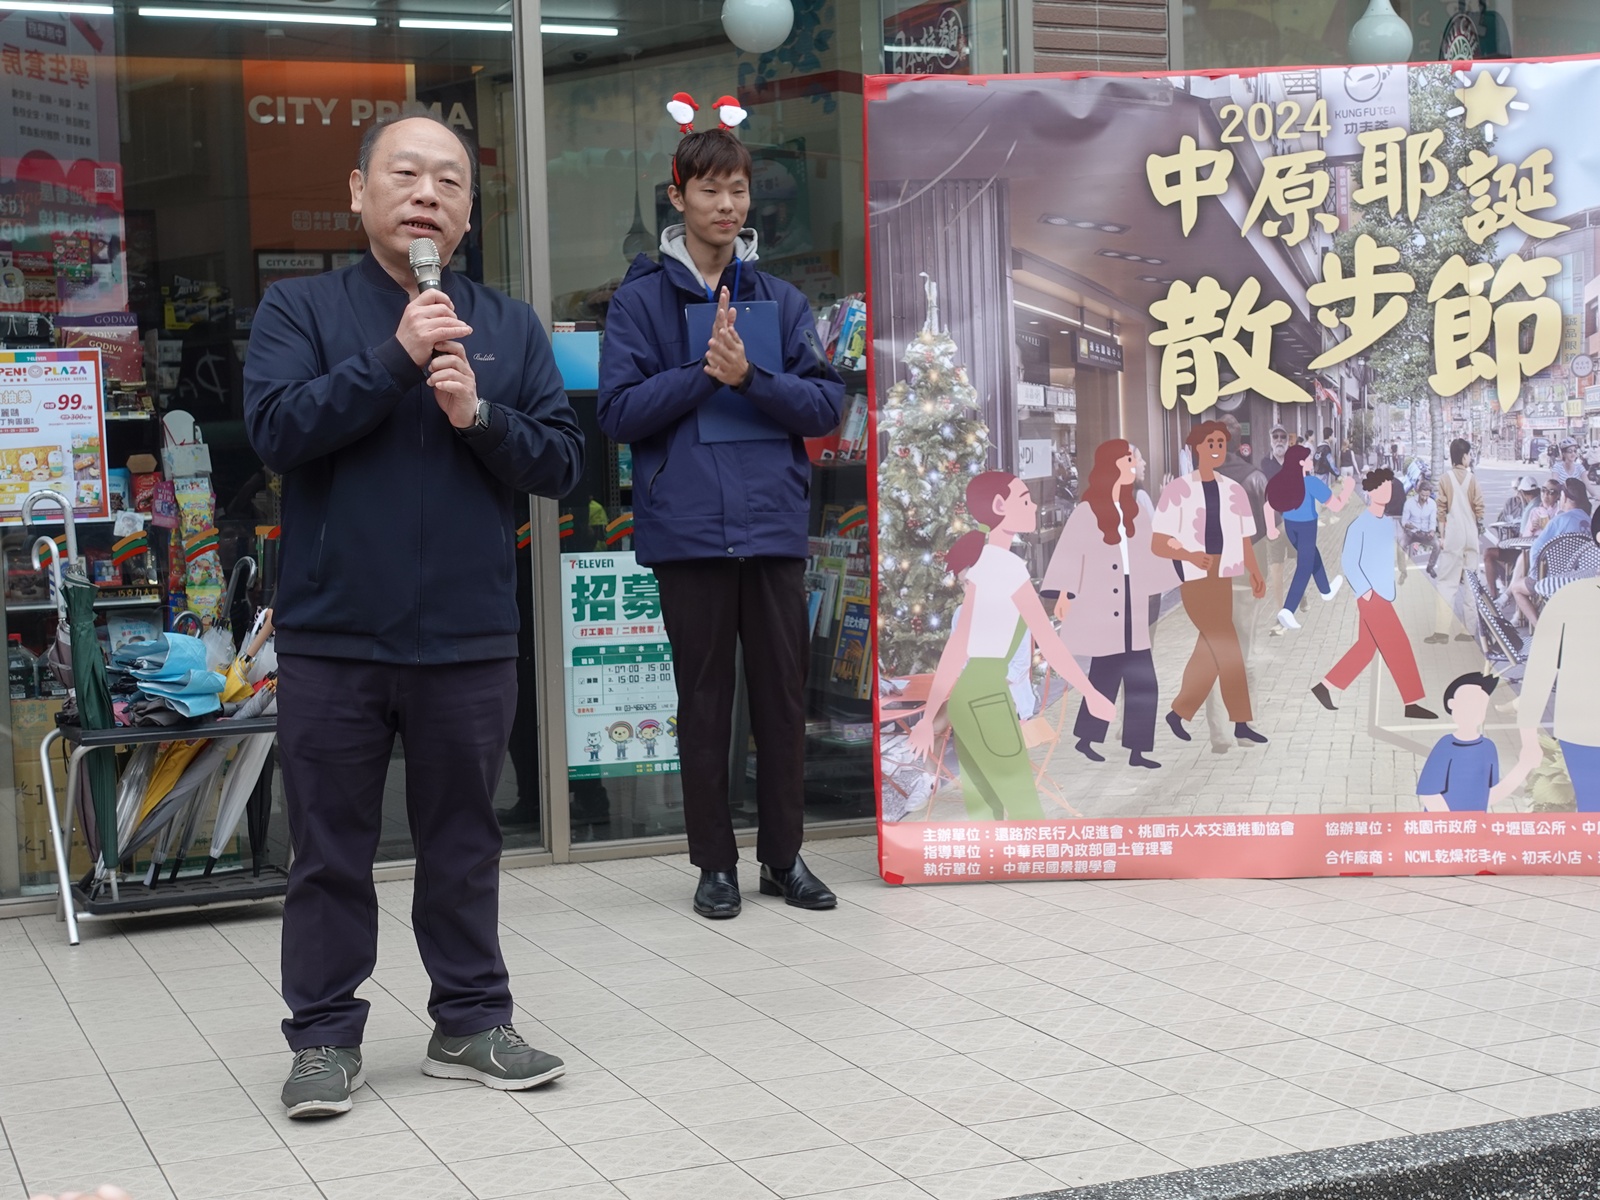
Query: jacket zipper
point(422, 444)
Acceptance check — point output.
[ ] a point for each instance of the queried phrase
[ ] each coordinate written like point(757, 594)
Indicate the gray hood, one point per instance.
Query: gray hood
point(673, 245)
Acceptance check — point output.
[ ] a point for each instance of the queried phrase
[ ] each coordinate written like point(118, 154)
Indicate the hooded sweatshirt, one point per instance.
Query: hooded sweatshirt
point(693, 500)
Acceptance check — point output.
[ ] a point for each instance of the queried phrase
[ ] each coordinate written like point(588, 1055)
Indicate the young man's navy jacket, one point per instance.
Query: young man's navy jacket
point(693, 500)
point(399, 534)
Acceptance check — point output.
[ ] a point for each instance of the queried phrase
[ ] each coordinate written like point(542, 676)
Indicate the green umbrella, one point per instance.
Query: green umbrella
point(94, 710)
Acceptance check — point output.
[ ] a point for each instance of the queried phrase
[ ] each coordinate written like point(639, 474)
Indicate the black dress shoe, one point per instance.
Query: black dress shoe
point(798, 886)
point(717, 896)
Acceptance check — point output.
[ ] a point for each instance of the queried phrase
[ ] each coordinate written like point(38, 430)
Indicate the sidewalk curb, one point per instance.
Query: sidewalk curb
point(1537, 1158)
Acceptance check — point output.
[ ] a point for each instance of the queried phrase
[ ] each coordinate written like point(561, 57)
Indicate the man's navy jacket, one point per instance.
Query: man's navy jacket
point(399, 534)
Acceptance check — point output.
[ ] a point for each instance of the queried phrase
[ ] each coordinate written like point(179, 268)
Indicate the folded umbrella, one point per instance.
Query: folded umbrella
point(190, 786)
point(237, 789)
point(94, 711)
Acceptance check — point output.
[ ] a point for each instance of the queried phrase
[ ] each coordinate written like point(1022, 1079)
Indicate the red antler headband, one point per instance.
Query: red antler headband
point(682, 108)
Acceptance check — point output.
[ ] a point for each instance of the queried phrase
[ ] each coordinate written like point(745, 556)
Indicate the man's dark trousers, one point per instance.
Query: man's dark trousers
point(710, 607)
point(337, 720)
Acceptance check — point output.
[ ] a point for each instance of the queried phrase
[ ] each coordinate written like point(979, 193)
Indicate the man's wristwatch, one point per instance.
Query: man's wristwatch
point(480, 421)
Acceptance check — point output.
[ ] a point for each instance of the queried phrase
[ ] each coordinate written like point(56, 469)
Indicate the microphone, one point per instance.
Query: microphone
point(425, 265)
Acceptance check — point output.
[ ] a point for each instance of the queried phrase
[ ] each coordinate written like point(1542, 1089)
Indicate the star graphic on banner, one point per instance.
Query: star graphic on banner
point(1487, 100)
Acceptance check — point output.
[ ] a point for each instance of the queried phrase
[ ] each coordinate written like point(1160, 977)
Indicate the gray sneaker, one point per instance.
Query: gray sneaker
point(496, 1058)
point(321, 1080)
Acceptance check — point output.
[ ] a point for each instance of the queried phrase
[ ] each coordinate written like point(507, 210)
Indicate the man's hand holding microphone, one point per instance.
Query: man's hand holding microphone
point(430, 333)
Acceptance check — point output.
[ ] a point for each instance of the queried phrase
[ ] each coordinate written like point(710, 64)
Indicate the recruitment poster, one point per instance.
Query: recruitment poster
point(622, 703)
point(52, 430)
point(1232, 514)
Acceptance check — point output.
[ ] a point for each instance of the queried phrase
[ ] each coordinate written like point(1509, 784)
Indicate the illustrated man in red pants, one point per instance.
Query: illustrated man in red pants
point(1369, 565)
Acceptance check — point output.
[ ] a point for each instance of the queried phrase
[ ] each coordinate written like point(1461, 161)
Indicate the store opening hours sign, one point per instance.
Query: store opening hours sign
point(622, 700)
point(1093, 657)
point(52, 430)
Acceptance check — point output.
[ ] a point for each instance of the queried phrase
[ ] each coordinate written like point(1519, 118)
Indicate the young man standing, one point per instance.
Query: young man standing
point(723, 523)
point(1369, 564)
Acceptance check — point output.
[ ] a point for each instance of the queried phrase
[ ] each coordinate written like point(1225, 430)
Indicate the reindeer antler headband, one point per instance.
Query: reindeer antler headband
point(682, 109)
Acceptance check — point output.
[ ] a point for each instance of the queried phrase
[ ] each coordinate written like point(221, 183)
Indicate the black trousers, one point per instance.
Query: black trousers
point(710, 607)
point(1135, 673)
point(337, 721)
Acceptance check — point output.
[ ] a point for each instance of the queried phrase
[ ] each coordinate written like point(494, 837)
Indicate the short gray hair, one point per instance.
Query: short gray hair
point(369, 139)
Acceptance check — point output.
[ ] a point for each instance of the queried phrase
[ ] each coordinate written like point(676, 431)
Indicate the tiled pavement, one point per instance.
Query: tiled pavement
point(960, 1043)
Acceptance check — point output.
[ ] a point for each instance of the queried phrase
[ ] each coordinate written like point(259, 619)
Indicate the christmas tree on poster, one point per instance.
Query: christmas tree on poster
point(937, 442)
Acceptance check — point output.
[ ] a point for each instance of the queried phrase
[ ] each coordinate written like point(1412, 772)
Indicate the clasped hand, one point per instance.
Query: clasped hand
point(725, 360)
point(431, 332)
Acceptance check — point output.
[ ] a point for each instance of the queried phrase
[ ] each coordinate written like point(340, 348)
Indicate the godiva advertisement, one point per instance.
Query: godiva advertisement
point(1234, 508)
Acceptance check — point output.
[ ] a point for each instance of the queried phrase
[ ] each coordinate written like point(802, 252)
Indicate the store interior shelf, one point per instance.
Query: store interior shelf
point(108, 602)
point(50, 515)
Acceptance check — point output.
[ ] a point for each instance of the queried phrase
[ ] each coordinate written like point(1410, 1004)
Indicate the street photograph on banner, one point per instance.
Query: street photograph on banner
point(1234, 512)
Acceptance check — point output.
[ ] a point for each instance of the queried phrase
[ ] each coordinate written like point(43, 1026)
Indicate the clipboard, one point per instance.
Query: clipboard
point(727, 416)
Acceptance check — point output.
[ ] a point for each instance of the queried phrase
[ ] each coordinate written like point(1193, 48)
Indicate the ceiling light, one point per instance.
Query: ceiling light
point(1082, 223)
point(578, 30)
point(1148, 279)
point(1049, 219)
point(1155, 262)
point(208, 13)
point(430, 23)
point(86, 10)
point(1109, 253)
point(1045, 312)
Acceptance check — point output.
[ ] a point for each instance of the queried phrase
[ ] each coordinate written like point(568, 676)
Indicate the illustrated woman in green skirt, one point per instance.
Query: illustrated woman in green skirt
point(1000, 608)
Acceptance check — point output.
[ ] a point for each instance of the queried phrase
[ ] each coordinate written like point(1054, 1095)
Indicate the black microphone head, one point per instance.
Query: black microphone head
point(425, 264)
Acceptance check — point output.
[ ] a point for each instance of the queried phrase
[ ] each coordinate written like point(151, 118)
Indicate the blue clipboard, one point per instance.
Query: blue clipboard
point(727, 416)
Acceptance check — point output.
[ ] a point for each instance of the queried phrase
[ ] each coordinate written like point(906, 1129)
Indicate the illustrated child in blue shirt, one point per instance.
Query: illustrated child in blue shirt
point(1462, 773)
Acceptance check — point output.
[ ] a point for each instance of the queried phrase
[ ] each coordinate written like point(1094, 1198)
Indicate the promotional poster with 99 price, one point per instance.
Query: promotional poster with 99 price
point(52, 430)
point(622, 703)
point(1237, 507)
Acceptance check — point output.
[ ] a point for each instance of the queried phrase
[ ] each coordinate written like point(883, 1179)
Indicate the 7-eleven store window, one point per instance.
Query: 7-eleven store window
point(160, 168)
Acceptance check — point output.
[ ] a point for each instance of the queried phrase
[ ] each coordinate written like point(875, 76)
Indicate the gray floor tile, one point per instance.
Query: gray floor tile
point(1085, 1167)
point(809, 1172)
point(1054, 1133)
point(988, 1182)
point(694, 1183)
point(917, 1154)
point(1163, 1116)
point(648, 1154)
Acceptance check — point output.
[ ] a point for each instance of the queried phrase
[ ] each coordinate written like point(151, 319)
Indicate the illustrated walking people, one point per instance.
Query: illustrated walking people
point(1369, 564)
point(999, 608)
point(1460, 523)
point(1294, 493)
point(1203, 523)
point(1566, 647)
point(1103, 572)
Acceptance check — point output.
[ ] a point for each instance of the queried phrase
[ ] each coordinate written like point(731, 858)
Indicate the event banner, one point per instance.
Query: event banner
point(1233, 507)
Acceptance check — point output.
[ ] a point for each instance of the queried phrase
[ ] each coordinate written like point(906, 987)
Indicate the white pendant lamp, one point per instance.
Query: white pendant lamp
point(757, 26)
point(1380, 36)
